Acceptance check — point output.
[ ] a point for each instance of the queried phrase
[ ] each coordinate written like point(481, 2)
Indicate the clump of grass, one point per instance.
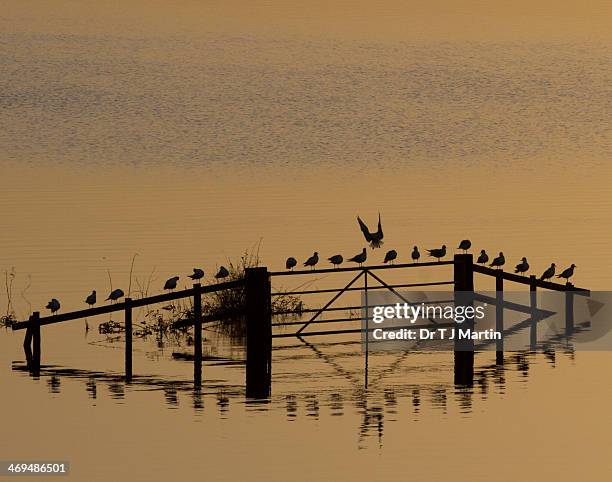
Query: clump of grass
point(225, 307)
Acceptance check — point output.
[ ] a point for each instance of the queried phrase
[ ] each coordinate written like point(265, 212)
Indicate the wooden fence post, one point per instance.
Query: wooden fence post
point(197, 335)
point(128, 340)
point(499, 316)
point(36, 343)
point(533, 302)
point(464, 296)
point(259, 332)
point(569, 313)
point(27, 346)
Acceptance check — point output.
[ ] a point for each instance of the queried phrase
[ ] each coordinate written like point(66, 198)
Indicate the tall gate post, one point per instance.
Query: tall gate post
point(258, 303)
point(35, 322)
point(197, 335)
point(533, 302)
point(464, 296)
point(128, 340)
point(499, 316)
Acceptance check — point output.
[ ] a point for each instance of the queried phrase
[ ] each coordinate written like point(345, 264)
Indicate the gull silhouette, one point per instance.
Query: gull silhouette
point(312, 261)
point(567, 273)
point(375, 239)
point(198, 274)
point(465, 245)
point(91, 299)
point(438, 252)
point(522, 267)
point(290, 263)
point(170, 283)
point(336, 260)
point(115, 295)
point(390, 256)
point(360, 258)
point(549, 273)
point(499, 261)
point(222, 273)
point(53, 305)
point(483, 258)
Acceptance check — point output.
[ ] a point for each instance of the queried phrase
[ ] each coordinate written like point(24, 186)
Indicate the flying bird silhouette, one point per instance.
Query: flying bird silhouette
point(360, 258)
point(336, 260)
point(222, 273)
point(390, 256)
point(91, 299)
point(438, 252)
point(312, 261)
point(290, 263)
point(415, 254)
point(375, 239)
point(499, 261)
point(483, 258)
point(115, 295)
point(198, 274)
point(567, 273)
point(53, 305)
point(465, 245)
point(549, 273)
point(170, 283)
point(522, 267)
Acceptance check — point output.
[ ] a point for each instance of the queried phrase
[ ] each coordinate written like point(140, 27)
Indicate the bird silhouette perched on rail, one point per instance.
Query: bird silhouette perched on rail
point(336, 260)
point(290, 263)
point(312, 261)
point(375, 239)
point(483, 258)
point(438, 252)
point(522, 267)
point(222, 273)
point(415, 254)
point(567, 273)
point(465, 245)
point(198, 274)
point(549, 273)
point(498, 262)
point(53, 305)
point(390, 256)
point(115, 295)
point(170, 283)
point(360, 258)
point(91, 299)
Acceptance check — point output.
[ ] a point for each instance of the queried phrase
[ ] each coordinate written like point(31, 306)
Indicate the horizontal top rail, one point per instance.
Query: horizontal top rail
point(371, 288)
point(526, 280)
point(135, 303)
point(360, 268)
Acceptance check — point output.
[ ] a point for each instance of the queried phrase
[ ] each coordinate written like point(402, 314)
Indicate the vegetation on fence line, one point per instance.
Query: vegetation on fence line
point(224, 307)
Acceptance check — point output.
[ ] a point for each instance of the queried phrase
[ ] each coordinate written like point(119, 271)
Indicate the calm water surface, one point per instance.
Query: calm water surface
point(189, 134)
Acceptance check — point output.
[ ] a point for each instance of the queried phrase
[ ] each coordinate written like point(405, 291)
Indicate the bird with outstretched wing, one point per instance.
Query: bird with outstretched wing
point(375, 239)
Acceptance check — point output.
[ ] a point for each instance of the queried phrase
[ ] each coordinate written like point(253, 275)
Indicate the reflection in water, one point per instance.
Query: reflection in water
point(380, 403)
point(171, 396)
point(54, 384)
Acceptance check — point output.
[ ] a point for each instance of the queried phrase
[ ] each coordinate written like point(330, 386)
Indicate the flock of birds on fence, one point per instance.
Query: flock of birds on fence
point(375, 240)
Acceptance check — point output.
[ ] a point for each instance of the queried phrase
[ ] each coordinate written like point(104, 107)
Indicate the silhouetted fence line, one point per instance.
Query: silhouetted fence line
point(258, 313)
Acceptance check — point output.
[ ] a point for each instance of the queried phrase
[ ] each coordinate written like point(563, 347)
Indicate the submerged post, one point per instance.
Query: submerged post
point(533, 302)
point(197, 335)
point(35, 323)
point(569, 312)
point(128, 340)
point(27, 345)
point(259, 332)
point(499, 316)
point(464, 296)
